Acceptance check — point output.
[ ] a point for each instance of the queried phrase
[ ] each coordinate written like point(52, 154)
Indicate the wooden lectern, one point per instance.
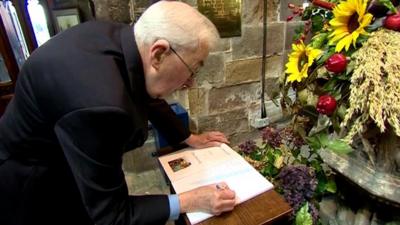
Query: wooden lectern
point(266, 208)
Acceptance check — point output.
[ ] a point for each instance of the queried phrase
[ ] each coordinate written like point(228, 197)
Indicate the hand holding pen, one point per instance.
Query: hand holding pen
point(214, 199)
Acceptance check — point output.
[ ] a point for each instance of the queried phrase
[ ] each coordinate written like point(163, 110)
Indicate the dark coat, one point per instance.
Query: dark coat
point(79, 104)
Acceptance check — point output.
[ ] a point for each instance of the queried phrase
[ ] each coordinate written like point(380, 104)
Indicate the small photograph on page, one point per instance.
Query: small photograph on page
point(178, 164)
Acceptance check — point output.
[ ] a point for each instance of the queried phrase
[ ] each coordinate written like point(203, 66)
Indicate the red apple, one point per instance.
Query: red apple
point(336, 63)
point(326, 104)
point(392, 22)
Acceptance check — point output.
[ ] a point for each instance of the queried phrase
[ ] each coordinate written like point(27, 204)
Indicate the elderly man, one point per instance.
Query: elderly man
point(82, 100)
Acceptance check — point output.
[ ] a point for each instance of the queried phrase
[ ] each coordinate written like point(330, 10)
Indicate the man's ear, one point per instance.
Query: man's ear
point(158, 51)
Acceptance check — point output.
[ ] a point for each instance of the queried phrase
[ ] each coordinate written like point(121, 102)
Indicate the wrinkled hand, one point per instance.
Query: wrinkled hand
point(207, 139)
point(209, 199)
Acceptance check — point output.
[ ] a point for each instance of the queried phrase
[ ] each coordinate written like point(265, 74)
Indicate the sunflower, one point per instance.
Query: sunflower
point(300, 59)
point(350, 19)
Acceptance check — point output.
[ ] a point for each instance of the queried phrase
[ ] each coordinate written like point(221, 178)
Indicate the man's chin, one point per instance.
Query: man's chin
point(161, 95)
point(158, 95)
point(154, 94)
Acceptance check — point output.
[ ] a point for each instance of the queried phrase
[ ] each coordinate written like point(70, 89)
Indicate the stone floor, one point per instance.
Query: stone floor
point(142, 172)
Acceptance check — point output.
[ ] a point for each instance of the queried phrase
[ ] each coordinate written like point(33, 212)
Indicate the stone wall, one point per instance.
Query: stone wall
point(226, 95)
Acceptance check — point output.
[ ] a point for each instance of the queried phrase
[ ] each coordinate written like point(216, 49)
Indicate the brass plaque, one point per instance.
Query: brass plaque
point(225, 14)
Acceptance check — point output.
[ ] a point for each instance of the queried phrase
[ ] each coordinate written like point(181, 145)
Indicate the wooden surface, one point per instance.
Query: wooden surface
point(267, 208)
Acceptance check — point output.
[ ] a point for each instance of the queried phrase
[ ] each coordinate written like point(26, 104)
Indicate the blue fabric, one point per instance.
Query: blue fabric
point(174, 207)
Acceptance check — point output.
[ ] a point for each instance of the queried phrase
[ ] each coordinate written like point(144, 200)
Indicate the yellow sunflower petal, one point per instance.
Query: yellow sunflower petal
point(348, 41)
point(355, 35)
point(292, 69)
point(338, 37)
point(339, 31)
point(345, 9)
point(366, 20)
point(294, 47)
point(361, 11)
point(303, 72)
point(337, 22)
point(290, 78)
point(342, 43)
point(312, 55)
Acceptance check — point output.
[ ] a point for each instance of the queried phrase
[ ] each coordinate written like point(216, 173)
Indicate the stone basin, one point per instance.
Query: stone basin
point(381, 185)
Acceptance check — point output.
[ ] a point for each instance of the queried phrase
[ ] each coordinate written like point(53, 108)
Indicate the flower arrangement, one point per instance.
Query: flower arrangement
point(346, 78)
point(295, 168)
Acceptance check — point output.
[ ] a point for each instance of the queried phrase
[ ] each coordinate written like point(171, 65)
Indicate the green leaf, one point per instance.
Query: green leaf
point(339, 146)
point(298, 32)
point(341, 111)
point(323, 139)
point(361, 39)
point(323, 123)
point(335, 118)
point(334, 87)
point(330, 85)
point(321, 186)
point(375, 25)
point(303, 217)
point(270, 170)
point(323, 75)
point(307, 13)
point(327, 53)
point(318, 140)
point(317, 23)
point(310, 111)
point(313, 142)
point(388, 5)
point(255, 155)
point(316, 165)
point(331, 186)
point(318, 40)
point(287, 100)
point(349, 68)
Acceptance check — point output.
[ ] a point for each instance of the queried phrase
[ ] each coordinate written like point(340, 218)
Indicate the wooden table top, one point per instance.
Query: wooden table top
point(267, 208)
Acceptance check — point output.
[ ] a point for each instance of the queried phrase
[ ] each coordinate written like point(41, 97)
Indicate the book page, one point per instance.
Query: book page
point(190, 168)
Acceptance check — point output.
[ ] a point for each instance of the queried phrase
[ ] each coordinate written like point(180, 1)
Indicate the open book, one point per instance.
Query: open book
point(190, 168)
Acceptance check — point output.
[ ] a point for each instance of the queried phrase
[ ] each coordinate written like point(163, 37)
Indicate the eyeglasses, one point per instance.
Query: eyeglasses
point(192, 72)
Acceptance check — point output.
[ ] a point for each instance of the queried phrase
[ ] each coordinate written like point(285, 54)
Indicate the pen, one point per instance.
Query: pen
point(220, 187)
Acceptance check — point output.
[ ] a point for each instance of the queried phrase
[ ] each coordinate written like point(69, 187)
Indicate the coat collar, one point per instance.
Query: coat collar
point(134, 65)
point(135, 83)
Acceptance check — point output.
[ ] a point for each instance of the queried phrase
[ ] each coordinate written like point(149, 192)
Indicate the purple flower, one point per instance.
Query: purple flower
point(277, 137)
point(291, 137)
point(248, 146)
point(272, 136)
point(298, 183)
point(314, 212)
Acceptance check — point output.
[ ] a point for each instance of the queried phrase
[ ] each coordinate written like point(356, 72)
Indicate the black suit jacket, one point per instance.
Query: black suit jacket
point(79, 104)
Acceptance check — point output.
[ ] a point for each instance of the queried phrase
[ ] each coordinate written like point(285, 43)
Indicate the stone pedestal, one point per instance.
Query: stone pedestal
point(378, 183)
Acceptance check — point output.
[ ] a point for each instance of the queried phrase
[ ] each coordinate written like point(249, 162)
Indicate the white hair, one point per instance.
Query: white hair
point(178, 23)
